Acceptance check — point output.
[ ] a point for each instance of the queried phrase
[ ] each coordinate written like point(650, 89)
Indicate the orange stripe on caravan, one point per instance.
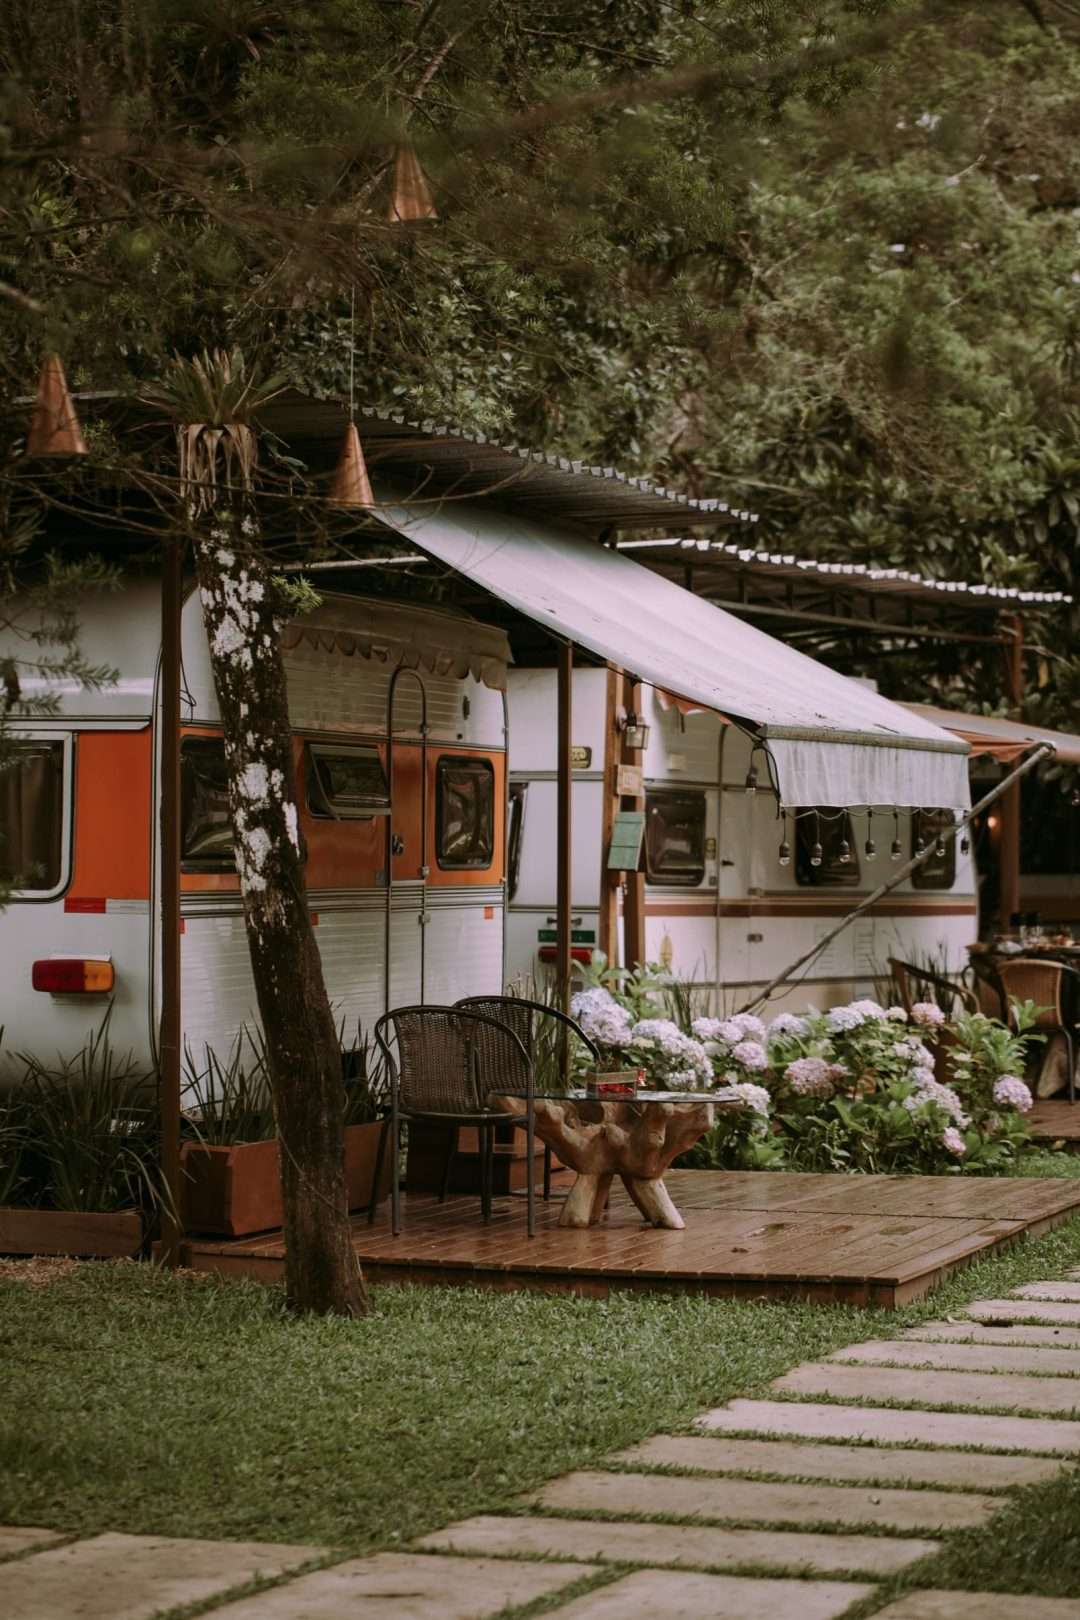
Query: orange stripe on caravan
point(112, 815)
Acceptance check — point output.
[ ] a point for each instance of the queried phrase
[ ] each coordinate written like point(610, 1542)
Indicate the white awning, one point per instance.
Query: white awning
point(833, 741)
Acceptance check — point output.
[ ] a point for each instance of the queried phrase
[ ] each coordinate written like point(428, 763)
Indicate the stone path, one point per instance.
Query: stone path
point(794, 1508)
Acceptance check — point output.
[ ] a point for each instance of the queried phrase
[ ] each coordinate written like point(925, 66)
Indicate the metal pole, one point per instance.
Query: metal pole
point(905, 871)
point(169, 1072)
point(563, 897)
point(1009, 841)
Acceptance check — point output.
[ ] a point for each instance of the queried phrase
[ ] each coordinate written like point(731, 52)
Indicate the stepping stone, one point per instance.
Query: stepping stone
point(1003, 1390)
point(1058, 1338)
point(685, 1596)
point(17, 1538)
point(748, 1499)
point(894, 1427)
point(887, 1465)
point(1068, 1291)
point(116, 1577)
point(412, 1586)
point(661, 1545)
point(963, 1357)
point(978, 1606)
point(1024, 1310)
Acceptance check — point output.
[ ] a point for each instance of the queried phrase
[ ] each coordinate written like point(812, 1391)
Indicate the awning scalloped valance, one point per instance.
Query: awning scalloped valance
point(415, 638)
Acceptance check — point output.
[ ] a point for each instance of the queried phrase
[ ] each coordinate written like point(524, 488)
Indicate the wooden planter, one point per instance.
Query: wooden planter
point(90, 1235)
point(236, 1190)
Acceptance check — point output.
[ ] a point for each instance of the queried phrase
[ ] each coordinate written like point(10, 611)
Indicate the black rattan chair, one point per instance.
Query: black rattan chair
point(447, 1062)
point(539, 1028)
point(1043, 981)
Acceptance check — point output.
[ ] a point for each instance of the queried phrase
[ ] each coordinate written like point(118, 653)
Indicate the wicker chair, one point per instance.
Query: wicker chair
point(443, 1069)
point(1033, 978)
point(919, 984)
point(535, 1024)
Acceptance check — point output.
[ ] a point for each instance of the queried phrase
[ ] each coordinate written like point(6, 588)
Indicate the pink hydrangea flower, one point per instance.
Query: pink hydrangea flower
point(927, 1013)
point(953, 1142)
point(1012, 1092)
point(810, 1077)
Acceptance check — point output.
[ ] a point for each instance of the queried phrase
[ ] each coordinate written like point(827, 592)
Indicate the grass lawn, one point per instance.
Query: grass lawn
point(139, 1401)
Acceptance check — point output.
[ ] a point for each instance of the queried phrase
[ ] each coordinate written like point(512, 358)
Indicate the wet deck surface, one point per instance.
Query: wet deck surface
point(1056, 1121)
point(860, 1239)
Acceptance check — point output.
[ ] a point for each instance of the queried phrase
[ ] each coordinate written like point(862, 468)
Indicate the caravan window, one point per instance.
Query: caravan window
point(206, 835)
point(464, 812)
point(516, 832)
point(675, 836)
point(831, 828)
point(346, 784)
point(32, 818)
point(939, 871)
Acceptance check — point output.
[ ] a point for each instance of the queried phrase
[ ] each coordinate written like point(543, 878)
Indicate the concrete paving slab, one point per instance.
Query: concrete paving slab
point(1033, 1333)
point(115, 1577)
point(979, 1606)
point(1018, 1358)
point(975, 1390)
point(812, 1421)
point(663, 1545)
point(745, 1499)
point(1024, 1310)
point(19, 1538)
point(685, 1596)
point(1067, 1291)
point(979, 1471)
point(408, 1586)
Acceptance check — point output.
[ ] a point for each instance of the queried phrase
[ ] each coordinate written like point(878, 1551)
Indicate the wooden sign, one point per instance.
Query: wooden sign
point(580, 757)
point(629, 779)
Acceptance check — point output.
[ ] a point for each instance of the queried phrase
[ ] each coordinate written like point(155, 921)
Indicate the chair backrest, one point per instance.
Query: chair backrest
point(540, 1029)
point(987, 985)
point(448, 1059)
point(920, 984)
point(1032, 978)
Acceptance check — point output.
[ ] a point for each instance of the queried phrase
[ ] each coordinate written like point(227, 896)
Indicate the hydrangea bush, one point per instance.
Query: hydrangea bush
point(859, 1087)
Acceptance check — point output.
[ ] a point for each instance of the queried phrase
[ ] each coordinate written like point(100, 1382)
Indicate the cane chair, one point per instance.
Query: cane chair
point(440, 1061)
point(987, 987)
point(1034, 978)
point(539, 1028)
point(920, 984)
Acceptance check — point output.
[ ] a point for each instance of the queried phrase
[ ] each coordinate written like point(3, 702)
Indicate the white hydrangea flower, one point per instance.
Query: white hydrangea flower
point(927, 1013)
point(841, 1019)
point(898, 1015)
point(603, 1019)
point(787, 1024)
point(750, 1055)
point(869, 1009)
point(953, 1142)
point(1012, 1092)
point(755, 1097)
point(810, 1077)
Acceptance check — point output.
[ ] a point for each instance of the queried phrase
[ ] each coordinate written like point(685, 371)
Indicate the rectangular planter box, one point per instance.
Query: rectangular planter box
point(236, 1190)
point(88, 1235)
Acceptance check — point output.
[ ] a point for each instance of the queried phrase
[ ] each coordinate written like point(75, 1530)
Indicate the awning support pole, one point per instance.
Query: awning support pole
point(634, 902)
point(607, 937)
point(1027, 764)
point(1009, 841)
point(563, 898)
point(169, 1046)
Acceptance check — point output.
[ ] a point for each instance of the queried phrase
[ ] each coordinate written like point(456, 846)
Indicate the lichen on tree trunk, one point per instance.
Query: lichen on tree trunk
point(243, 624)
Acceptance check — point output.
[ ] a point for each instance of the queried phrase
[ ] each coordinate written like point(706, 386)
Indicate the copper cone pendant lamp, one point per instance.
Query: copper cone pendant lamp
point(54, 426)
point(350, 485)
point(411, 200)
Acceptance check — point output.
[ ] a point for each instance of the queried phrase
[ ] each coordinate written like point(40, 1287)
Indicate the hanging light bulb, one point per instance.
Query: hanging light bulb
point(940, 851)
point(870, 848)
point(844, 855)
point(1074, 798)
point(897, 848)
point(816, 852)
point(965, 844)
point(783, 854)
point(751, 777)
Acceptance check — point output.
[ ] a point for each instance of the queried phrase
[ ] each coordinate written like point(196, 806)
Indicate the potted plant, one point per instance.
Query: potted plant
point(78, 1154)
point(231, 1177)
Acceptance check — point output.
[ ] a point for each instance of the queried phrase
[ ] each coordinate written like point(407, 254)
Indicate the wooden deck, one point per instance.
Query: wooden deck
point(878, 1240)
point(1056, 1123)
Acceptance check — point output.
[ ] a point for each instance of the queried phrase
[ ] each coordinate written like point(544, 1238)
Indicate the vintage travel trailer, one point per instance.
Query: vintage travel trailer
point(732, 893)
point(431, 867)
point(399, 741)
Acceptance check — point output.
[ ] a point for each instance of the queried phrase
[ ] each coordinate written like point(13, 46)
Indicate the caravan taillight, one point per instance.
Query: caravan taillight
point(73, 975)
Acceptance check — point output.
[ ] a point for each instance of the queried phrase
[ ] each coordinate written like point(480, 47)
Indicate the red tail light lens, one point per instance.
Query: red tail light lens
point(73, 975)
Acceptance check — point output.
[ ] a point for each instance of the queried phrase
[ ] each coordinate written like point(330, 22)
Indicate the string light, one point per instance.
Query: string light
point(783, 854)
point(751, 777)
point(870, 847)
point(897, 848)
point(816, 852)
point(844, 854)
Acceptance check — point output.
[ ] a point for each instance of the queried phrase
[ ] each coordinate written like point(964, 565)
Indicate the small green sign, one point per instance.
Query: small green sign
point(578, 936)
point(627, 835)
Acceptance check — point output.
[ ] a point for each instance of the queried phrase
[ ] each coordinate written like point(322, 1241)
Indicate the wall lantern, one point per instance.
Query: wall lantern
point(635, 732)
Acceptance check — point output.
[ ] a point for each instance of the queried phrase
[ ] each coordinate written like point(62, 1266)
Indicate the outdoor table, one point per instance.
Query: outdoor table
point(634, 1137)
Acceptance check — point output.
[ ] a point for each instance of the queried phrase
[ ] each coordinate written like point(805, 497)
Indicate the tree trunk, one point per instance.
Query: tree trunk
point(243, 625)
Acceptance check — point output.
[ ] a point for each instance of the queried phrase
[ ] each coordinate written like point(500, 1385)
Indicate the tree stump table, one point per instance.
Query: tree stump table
point(634, 1138)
